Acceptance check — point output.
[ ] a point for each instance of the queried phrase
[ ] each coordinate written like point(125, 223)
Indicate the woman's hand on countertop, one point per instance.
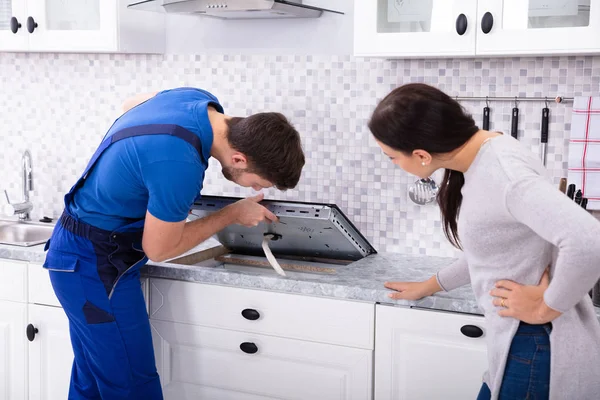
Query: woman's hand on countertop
point(524, 302)
point(413, 290)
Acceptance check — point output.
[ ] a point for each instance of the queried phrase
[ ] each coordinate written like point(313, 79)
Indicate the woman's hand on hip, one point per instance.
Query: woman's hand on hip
point(524, 302)
point(413, 290)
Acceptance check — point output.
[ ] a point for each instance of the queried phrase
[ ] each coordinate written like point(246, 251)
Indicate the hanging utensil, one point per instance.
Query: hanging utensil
point(544, 138)
point(486, 115)
point(514, 123)
point(571, 191)
point(562, 186)
point(423, 191)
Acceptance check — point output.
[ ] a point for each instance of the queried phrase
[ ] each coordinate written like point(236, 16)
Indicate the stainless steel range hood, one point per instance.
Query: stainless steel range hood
point(233, 9)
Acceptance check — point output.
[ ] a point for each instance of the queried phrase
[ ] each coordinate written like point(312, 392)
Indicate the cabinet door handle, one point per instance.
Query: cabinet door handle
point(472, 331)
point(248, 348)
point(250, 314)
point(14, 25)
point(31, 24)
point(487, 22)
point(31, 331)
point(461, 24)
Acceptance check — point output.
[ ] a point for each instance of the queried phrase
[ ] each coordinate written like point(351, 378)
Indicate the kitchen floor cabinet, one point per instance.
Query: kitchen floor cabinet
point(50, 353)
point(13, 348)
point(428, 354)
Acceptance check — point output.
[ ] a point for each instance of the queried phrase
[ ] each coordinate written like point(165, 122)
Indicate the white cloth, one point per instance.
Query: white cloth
point(584, 149)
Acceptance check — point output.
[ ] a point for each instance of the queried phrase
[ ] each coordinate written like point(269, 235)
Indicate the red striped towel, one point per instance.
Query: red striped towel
point(584, 149)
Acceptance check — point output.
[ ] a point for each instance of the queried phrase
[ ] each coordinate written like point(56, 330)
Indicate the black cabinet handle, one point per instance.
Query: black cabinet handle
point(487, 22)
point(31, 331)
point(472, 331)
point(14, 25)
point(461, 24)
point(248, 348)
point(31, 24)
point(250, 314)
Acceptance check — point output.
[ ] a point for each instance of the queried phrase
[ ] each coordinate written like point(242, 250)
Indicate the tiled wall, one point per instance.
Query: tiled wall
point(59, 106)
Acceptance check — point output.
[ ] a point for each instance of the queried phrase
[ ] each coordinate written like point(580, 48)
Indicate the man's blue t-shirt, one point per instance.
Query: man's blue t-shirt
point(161, 174)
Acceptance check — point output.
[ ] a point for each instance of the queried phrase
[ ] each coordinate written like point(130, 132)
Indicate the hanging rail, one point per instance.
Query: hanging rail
point(557, 99)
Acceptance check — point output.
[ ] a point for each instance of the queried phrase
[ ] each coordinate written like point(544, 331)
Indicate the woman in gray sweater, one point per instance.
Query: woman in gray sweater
point(499, 206)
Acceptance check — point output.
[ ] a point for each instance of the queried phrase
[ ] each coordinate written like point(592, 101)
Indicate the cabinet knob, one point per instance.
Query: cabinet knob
point(472, 331)
point(31, 331)
point(248, 348)
point(250, 314)
point(487, 22)
point(31, 24)
point(461, 24)
point(14, 25)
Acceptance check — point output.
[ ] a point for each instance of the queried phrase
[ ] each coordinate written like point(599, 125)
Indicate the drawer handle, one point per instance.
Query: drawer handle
point(472, 331)
point(251, 314)
point(248, 348)
point(487, 22)
point(461, 24)
point(31, 331)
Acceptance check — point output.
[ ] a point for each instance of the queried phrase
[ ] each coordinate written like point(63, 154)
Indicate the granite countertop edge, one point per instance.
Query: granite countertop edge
point(360, 281)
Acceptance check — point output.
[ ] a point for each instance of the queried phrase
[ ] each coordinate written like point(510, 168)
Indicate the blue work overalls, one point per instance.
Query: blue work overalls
point(96, 277)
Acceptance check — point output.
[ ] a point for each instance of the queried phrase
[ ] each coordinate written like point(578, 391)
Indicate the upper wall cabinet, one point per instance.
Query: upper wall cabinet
point(79, 26)
point(439, 28)
point(539, 27)
point(390, 28)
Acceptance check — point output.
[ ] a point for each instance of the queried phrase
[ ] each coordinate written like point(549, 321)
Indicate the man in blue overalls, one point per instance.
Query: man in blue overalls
point(131, 204)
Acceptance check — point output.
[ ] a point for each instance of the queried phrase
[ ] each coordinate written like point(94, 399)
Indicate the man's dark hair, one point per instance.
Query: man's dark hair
point(272, 146)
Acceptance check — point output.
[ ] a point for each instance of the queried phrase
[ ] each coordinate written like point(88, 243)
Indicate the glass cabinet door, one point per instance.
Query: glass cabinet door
point(73, 25)
point(540, 26)
point(13, 14)
point(414, 27)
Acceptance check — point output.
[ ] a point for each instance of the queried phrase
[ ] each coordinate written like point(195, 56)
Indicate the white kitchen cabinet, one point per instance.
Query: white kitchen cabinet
point(13, 280)
point(539, 27)
point(13, 350)
point(79, 26)
point(393, 28)
point(50, 353)
point(196, 362)
point(425, 354)
point(423, 28)
point(13, 12)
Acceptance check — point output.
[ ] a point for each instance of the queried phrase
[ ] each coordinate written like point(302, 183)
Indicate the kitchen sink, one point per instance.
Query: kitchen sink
point(24, 234)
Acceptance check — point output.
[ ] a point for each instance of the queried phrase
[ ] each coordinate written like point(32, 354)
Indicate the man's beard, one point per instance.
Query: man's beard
point(232, 174)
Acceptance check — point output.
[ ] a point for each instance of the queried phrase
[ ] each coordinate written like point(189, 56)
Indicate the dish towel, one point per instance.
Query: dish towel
point(584, 149)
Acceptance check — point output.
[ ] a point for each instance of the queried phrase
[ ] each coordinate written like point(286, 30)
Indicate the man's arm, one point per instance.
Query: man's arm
point(165, 240)
point(136, 100)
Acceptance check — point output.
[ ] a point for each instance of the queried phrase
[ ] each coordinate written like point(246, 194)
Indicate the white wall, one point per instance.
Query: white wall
point(330, 34)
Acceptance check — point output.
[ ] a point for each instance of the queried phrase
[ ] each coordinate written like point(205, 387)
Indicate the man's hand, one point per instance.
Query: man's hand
point(248, 212)
point(524, 302)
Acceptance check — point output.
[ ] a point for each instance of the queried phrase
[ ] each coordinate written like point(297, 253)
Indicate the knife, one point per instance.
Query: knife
point(514, 122)
point(584, 202)
point(486, 118)
point(571, 191)
point(544, 138)
point(562, 186)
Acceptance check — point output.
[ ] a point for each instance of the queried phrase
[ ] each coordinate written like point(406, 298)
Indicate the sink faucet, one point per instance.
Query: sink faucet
point(24, 208)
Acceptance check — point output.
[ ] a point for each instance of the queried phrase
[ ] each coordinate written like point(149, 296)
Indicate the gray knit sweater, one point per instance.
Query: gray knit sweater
point(513, 222)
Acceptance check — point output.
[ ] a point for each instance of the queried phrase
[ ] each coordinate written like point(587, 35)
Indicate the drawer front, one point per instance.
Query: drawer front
point(40, 287)
point(197, 362)
point(340, 322)
point(13, 280)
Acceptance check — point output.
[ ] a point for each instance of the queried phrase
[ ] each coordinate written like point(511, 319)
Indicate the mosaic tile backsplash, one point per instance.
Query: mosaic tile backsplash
point(60, 105)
